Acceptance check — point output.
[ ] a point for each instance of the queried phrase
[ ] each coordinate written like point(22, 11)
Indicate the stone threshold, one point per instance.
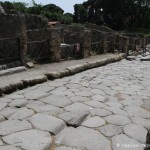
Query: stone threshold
point(22, 84)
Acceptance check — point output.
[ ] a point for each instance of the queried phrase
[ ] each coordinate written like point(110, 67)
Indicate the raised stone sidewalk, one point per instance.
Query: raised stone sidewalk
point(105, 108)
point(14, 79)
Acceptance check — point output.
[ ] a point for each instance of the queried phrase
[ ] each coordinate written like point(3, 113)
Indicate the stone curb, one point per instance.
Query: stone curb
point(60, 74)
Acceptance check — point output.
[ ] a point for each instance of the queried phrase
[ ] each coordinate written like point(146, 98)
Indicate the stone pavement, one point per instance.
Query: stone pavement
point(106, 108)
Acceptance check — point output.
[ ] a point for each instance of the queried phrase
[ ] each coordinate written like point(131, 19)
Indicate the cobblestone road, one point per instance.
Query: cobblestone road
point(100, 109)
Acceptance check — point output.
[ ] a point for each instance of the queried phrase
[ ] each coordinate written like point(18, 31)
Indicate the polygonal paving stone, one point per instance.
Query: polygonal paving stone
point(83, 93)
point(8, 111)
point(83, 138)
point(114, 104)
point(12, 126)
point(29, 140)
point(136, 132)
point(137, 112)
point(110, 130)
point(98, 98)
point(49, 109)
point(144, 122)
point(15, 96)
point(97, 92)
point(1, 142)
point(100, 112)
point(35, 94)
point(8, 147)
point(95, 104)
point(60, 101)
point(123, 142)
point(73, 118)
point(18, 103)
point(5, 100)
point(78, 107)
point(117, 111)
point(47, 123)
point(65, 148)
point(2, 118)
point(137, 103)
point(79, 99)
point(2, 106)
point(118, 120)
point(21, 114)
point(94, 122)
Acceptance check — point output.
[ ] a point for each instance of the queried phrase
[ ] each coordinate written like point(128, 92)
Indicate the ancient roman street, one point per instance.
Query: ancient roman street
point(99, 109)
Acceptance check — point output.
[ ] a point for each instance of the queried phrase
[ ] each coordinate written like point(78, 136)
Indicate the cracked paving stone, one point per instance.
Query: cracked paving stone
point(144, 122)
point(136, 132)
point(47, 123)
point(9, 147)
point(83, 138)
point(100, 112)
point(29, 140)
point(59, 101)
point(22, 113)
point(73, 118)
point(18, 103)
point(49, 109)
point(134, 111)
point(12, 126)
point(78, 107)
point(118, 120)
point(94, 122)
point(123, 142)
point(110, 130)
point(95, 104)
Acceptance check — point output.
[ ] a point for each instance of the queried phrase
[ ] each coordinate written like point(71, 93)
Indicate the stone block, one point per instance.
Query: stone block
point(76, 69)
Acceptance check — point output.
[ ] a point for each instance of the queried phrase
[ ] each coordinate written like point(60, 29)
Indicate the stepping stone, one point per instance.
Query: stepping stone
point(78, 107)
point(136, 132)
point(59, 101)
point(100, 112)
point(73, 118)
point(8, 147)
point(123, 142)
point(94, 122)
point(47, 123)
point(110, 130)
point(118, 120)
point(18, 103)
point(134, 111)
point(95, 104)
point(21, 114)
point(12, 126)
point(83, 138)
point(146, 58)
point(131, 57)
point(29, 140)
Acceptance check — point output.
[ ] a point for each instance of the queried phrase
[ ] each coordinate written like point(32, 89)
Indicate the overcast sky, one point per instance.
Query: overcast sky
point(66, 5)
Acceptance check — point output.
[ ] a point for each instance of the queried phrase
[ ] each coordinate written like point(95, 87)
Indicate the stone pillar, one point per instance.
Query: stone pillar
point(54, 45)
point(125, 45)
point(105, 42)
point(23, 41)
point(86, 43)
